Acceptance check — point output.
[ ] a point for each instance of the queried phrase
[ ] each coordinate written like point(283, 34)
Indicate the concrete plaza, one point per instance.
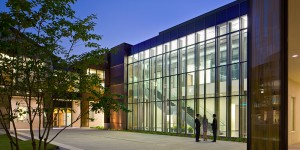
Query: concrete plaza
point(90, 139)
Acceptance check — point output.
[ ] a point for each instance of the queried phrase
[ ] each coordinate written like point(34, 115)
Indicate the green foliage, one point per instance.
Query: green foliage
point(37, 42)
point(190, 129)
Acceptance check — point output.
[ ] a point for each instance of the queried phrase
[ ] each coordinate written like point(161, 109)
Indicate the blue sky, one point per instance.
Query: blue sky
point(133, 21)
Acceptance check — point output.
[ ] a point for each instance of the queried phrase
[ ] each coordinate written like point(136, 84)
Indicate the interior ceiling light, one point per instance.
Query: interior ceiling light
point(294, 56)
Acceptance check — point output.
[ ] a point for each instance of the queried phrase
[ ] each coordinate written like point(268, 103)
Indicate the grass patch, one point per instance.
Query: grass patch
point(24, 145)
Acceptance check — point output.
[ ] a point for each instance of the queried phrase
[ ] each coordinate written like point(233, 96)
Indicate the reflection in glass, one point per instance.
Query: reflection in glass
point(235, 48)
point(210, 54)
point(191, 58)
point(222, 51)
point(234, 116)
point(222, 116)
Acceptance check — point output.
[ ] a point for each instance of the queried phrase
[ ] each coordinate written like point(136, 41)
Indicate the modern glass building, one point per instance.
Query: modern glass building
point(240, 61)
point(203, 72)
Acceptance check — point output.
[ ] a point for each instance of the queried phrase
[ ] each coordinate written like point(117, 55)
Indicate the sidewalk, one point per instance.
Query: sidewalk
point(90, 139)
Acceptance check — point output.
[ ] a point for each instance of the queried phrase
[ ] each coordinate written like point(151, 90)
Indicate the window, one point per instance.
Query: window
point(210, 33)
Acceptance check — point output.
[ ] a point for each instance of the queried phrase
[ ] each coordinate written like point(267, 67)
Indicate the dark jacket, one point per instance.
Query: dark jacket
point(198, 124)
point(214, 125)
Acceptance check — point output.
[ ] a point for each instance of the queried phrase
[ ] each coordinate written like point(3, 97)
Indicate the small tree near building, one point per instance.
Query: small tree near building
point(32, 36)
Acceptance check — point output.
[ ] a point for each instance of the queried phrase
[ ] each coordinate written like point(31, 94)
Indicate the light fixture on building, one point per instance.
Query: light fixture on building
point(295, 56)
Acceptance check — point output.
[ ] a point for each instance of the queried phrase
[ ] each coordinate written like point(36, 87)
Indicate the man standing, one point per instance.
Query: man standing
point(214, 127)
point(197, 128)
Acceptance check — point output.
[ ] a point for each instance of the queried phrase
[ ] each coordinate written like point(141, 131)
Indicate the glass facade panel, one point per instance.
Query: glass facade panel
point(190, 81)
point(191, 39)
point(223, 116)
point(210, 33)
point(130, 73)
point(166, 64)
point(235, 82)
point(204, 72)
point(147, 116)
point(222, 80)
point(129, 118)
point(159, 50)
point(183, 60)
point(222, 51)
point(222, 29)
point(210, 54)
point(135, 71)
point(159, 69)
point(210, 82)
point(174, 63)
point(181, 42)
point(244, 45)
point(147, 69)
point(201, 56)
point(190, 114)
point(174, 85)
point(152, 67)
point(173, 116)
point(159, 116)
point(235, 116)
point(234, 25)
point(200, 36)
point(174, 45)
point(191, 58)
point(235, 54)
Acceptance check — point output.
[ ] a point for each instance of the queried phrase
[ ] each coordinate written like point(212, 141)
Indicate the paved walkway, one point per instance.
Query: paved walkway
point(90, 139)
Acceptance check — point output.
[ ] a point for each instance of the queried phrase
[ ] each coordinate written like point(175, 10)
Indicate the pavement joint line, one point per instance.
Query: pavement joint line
point(129, 140)
point(55, 143)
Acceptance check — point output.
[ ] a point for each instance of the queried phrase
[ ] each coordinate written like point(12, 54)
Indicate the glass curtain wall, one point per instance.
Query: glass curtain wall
point(204, 72)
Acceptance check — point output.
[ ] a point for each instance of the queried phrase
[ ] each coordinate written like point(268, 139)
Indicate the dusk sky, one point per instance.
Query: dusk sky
point(133, 21)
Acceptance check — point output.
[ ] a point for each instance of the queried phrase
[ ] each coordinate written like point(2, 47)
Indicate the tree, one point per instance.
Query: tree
point(32, 36)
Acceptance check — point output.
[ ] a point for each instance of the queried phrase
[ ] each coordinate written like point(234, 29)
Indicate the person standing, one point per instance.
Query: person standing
point(197, 127)
point(204, 123)
point(214, 127)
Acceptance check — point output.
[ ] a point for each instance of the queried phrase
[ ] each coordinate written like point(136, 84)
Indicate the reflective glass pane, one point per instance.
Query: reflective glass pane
point(201, 56)
point(222, 29)
point(152, 68)
point(166, 47)
point(135, 72)
point(152, 52)
point(210, 33)
point(201, 83)
point(190, 113)
point(210, 82)
point(182, 116)
point(159, 116)
point(159, 66)
point(182, 42)
point(183, 86)
point(244, 45)
point(235, 54)
point(235, 76)
point(166, 88)
point(174, 62)
point(190, 84)
point(141, 71)
point(158, 85)
point(135, 116)
point(222, 116)
point(146, 54)
point(166, 64)
point(173, 117)
point(234, 25)
point(200, 36)
point(141, 92)
point(222, 81)
point(166, 116)
point(159, 50)
point(210, 110)
point(174, 45)
point(130, 73)
point(146, 91)
point(130, 59)
point(222, 50)
point(129, 119)
point(234, 116)
point(141, 116)
point(191, 58)
point(244, 21)
point(141, 55)
point(146, 69)
point(130, 93)
point(135, 92)
point(210, 54)
point(183, 60)
point(135, 57)
point(146, 116)
point(191, 39)
point(174, 87)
